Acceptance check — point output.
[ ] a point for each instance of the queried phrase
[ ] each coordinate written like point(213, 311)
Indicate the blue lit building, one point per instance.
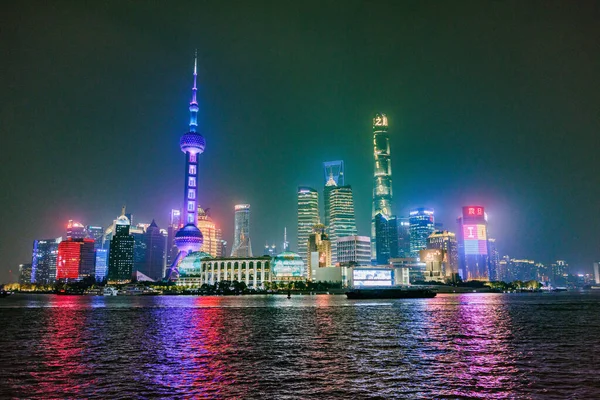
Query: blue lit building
point(43, 261)
point(421, 225)
point(101, 266)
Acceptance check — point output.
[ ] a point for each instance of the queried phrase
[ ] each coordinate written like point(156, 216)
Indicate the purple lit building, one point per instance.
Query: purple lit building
point(189, 238)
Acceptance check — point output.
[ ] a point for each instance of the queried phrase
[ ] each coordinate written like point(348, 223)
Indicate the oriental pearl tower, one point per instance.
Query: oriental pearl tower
point(189, 238)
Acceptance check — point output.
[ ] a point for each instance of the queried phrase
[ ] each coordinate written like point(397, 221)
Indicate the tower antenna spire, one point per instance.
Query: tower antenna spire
point(194, 102)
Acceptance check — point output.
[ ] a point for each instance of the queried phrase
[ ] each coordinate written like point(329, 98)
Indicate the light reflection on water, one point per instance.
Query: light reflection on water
point(452, 346)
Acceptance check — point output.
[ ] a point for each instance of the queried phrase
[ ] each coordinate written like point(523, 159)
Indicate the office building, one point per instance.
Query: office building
point(25, 273)
point(75, 230)
point(101, 267)
point(446, 241)
point(434, 265)
point(155, 258)
point(403, 237)
point(210, 232)
point(382, 192)
point(473, 244)
point(75, 259)
point(386, 245)
point(96, 233)
point(43, 261)
point(174, 225)
point(333, 173)
point(421, 225)
point(319, 251)
point(242, 246)
point(353, 251)
point(494, 259)
point(341, 211)
point(120, 257)
point(597, 273)
point(308, 217)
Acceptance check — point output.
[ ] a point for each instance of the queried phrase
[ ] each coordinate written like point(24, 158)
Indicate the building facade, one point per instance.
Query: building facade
point(386, 245)
point(319, 251)
point(421, 225)
point(473, 244)
point(211, 233)
point(333, 172)
point(43, 261)
point(353, 250)
point(308, 217)
point(242, 246)
point(155, 258)
point(76, 259)
point(342, 222)
point(382, 188)
point(199, 268)
point(446, 241)
point(120, 257)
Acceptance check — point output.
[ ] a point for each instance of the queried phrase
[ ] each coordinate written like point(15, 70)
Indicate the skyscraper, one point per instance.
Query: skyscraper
point(155, 246)
point(174, 225)
point(75, 230)
point(120, 257)
point(308, 217)
point(97, 234)
point(242, 247)
point(43, 261)
point(24, 273)
point(210, 232)
point(333, 172)
point(597, 273)
point(446, 241)
point(189, 238)
point(473, 244)
point(421, 225)
point(341, 216)
point(101, 268)
point(403, 237)
point(76, 259)
point(386, 246)
point(319, 250)
point(494, 259)
point(382, 186)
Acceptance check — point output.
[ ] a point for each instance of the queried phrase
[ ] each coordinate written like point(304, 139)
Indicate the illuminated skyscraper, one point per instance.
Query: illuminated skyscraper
point(382, 190)
point(421, 225)
point(308, 217)
point(75, 259)
point(403, 237)
point(341, 216)
point(210, 232)
point(174, 225)
point(494, 259)
point(24, 273)
point(386, 246)
point(242, 247)
point(120, 257)
point(96, 233)
point(597, 273)
point(333, 172)
point(473, 244)
point(75, 230)
point(43, 261)
point(155, 258)
point(319, 250)
point(101, 268)
point(446, 241)
point(189, 238)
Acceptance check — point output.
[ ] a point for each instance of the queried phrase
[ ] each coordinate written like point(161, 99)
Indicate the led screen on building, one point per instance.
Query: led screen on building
point(475, 239)
point(372, 277)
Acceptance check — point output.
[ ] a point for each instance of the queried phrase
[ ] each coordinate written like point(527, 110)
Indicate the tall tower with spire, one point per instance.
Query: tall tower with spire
point(189, 238)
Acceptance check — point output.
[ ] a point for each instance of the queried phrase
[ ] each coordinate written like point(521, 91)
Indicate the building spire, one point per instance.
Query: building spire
point(194, 102)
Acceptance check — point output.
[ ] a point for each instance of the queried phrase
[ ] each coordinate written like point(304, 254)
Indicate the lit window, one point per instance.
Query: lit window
point(192, 157)
point(192, 170)
point(192, 181)
point(191, 206)
point(191, 194)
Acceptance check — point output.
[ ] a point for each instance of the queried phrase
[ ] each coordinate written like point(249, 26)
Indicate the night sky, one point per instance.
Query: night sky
point(492, 103)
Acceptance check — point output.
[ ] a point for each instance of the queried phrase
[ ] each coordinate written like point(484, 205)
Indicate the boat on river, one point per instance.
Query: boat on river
point(390, 293)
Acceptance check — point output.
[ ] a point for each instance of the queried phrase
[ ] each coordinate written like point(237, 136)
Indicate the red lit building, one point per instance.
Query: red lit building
point(75, 259)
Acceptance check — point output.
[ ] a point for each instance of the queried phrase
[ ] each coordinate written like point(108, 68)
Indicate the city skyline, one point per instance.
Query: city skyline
point(136, 114)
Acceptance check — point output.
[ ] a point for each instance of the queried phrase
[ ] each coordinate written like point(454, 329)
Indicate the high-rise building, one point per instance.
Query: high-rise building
point(308, 217)
point(559, 271)
point(174, 225)
point(353, 250)
point(101, 269)
point(421, 225)
point(24, 273)
point(43, 261)
point(97, 234)
point(120, 257)
point(319, 250)
point(155, 259)
point(210, 232)
point(494, 259)
point(341, 216)
point(76, 259)
point(189, 238)
point(139, 246)
point(333, 172)
point(473, 244)
point(242, 246)
point(403, 237)
point(597, 273)
point(386, 231)
point(75, 230)
point(446, 241)
point(382, 189)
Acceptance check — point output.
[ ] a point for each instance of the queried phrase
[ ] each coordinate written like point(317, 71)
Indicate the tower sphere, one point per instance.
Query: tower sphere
point(189, 238)
point(192, 142)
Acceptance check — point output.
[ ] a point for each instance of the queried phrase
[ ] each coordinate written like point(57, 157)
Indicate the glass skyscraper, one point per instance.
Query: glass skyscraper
point(242, 246)
point(341, 216)
point(43, 261)
point(308, 217)
point(120, 257)
point(382, 191)
point(421, 225)
point(333, 172)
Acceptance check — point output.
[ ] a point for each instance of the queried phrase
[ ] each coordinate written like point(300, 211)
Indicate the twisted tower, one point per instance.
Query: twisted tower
point(189, 238)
